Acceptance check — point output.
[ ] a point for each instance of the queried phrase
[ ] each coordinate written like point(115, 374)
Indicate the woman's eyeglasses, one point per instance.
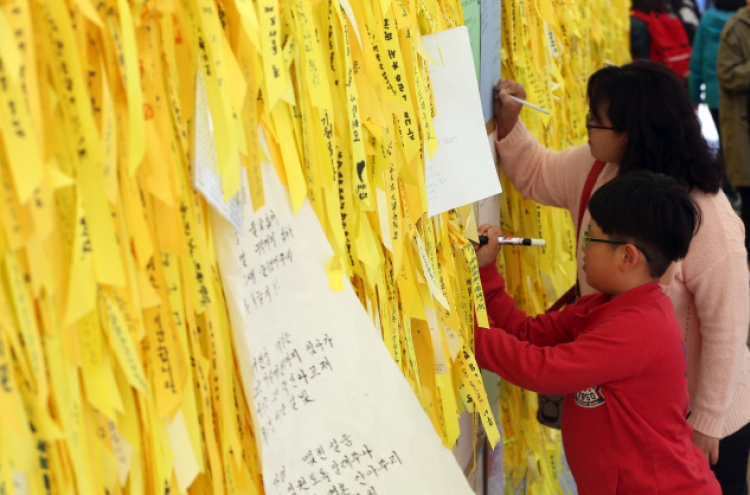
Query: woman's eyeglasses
point(590, 125)
point(587, 239)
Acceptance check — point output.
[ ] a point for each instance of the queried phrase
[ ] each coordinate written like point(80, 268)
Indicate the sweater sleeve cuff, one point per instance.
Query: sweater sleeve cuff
point(706, 423)
point(514, 137)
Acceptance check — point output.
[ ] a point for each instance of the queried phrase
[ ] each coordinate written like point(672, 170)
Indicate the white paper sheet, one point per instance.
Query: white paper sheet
point(462, 170)
point(332, 408)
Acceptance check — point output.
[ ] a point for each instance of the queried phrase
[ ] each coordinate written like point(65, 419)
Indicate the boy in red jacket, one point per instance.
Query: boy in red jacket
point(618, 355)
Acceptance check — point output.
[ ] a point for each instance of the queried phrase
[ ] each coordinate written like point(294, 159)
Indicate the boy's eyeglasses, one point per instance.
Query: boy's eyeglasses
point(589, 125)
point(587, 239)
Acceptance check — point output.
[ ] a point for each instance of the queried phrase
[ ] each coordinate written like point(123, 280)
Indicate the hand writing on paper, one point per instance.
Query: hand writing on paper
point(487, 253)
point(507, 110)
point(709, 445)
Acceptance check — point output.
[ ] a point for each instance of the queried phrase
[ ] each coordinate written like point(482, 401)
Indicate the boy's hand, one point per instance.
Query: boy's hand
point(487, 253)
point(709, 446)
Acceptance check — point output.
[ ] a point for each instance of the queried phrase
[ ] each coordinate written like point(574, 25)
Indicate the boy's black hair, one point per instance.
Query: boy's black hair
point(650, 210)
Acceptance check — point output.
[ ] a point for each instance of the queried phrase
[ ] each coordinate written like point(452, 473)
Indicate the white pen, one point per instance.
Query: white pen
point(524, 102)
point(530, 105)
point(519, 241)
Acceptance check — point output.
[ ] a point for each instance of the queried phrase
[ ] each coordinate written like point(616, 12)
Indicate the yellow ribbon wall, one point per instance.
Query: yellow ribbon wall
point(551, 47)
point(117, 369)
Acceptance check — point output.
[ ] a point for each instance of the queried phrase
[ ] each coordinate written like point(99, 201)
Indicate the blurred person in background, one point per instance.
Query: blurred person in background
point(733, 74)
point(703, 69)
point(685, 10)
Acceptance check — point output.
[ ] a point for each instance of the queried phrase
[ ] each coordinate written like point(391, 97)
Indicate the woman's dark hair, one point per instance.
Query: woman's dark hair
point(731, 5)
point(651, 211)
point(648, 102)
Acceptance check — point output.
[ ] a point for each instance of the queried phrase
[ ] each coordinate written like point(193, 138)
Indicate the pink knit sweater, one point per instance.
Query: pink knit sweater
point(709, 289)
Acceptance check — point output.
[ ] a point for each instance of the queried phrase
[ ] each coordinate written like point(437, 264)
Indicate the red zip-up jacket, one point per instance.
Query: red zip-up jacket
point(621, 365)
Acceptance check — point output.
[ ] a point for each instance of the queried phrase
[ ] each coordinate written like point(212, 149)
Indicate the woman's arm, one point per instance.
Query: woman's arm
point(552, 178)
point(716, 274)
point(549, 177)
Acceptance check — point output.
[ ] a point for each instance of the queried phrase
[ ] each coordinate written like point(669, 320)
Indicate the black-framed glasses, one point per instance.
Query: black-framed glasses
point(587, 239)
point(589, 125)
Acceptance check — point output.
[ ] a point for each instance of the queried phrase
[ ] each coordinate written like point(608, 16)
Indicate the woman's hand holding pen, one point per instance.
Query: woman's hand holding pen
point(487, 253)
point(506, 109)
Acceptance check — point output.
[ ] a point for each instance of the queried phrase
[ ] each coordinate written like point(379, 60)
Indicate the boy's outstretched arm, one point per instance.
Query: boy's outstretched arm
point(614, 351)
point(548, 353)
point(543, 330)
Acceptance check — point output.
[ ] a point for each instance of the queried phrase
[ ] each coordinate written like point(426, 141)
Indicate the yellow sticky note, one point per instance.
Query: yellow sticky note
point(16, 129)
point(27, 323)
point(100, 385)
point(450, 409)
point(66, 389)
point(90, 12)
point(132, 80)
point(335, 272)
point(124, 347)
point(15, 221)
point(314, 68)
point(276, 77)
point(442, 363)
point(473, 382)
point(101, 230)
point(14, 416)
point(163, 355)
point(429, 273)
point(479, 305)
point(411, 352)
point(214, 62)
point(290, 155)
point(82, 287)
point(91, 340)
point(185, 463)
point(250, 23)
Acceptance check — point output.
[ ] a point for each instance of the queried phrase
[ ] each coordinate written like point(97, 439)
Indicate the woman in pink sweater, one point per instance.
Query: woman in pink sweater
point(641, 118)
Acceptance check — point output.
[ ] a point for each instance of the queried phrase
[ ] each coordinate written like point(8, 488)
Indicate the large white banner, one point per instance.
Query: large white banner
point(333, 413)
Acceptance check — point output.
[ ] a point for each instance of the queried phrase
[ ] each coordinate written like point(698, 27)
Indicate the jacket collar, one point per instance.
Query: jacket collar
point(601, 304)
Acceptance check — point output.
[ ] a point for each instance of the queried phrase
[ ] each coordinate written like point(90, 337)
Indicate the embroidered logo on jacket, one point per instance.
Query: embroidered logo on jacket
point(591, 397)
